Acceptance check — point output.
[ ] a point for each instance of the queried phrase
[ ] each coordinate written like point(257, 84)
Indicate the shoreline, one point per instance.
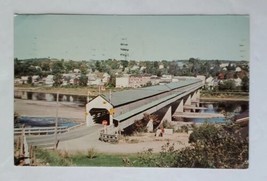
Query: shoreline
point(219, 99)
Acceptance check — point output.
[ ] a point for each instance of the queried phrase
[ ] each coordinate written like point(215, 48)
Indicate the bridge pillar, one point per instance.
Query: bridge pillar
point(198, 97)
point(168, 115)
point(149, 125)
point(24, 95)
point(194, 101)
point(180, 107)
point(188, 102)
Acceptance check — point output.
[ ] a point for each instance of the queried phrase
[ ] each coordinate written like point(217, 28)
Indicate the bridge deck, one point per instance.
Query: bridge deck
point(197, 115)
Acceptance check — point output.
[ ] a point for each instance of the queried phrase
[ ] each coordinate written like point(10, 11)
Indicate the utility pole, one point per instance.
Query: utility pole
point(110, 94)
point(124, 48)
point(56, 123)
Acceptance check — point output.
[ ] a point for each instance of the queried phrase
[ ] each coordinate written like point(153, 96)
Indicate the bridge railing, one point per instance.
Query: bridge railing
point(40, 130)
point(111, 138)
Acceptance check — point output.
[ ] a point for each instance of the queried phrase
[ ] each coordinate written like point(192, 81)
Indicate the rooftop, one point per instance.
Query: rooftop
point(127, 96)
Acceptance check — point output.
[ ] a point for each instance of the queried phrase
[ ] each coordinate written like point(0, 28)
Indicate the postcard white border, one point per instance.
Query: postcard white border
point(258, 64)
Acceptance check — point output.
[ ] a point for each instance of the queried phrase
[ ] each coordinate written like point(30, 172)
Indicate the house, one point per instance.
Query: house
point(17, 81)
point(35, 78)
point(132, 81)
point(49, 80)
point(238, 69)
point(238, 82)
point(210, 83)
point(122, 82)
point(97, 78)
point(24, 79)
point(138, 81)
point(77, 71)
point(161, 66)
point(166, 78)
point(106, 78)
point(222, 65)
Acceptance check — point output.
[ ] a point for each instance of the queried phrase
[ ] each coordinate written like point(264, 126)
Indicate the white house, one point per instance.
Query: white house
point(35, 78)
point(122, 82)
point(106, 78)
point(77, 71)
point(161, 66)
point(238, 69)
point(24, 79)
point(238, 81)
point(210, 82)
point(49, 81)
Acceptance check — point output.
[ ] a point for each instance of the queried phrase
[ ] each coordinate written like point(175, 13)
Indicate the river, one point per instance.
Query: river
point(230, 109)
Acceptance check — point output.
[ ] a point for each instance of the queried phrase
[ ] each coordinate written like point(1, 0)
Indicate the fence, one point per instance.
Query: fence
point(45, 130)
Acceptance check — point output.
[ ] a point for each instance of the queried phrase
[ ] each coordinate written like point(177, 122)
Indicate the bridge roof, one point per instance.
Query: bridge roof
point(127, 96)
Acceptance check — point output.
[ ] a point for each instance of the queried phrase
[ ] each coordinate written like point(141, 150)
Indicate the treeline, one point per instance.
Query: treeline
point(191, 67)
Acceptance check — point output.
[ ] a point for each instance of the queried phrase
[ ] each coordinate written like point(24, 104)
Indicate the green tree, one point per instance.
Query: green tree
point(227, 85)
point(29, 81)
point(245, 84)
point(57, 80)
point(58, 67)
point(212, 146)
point(83, 80)
point(98, 66)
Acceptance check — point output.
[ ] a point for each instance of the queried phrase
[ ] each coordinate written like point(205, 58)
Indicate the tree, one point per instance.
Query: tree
point(29, 81)
point(227, 85)
point(57, 67)
point(83, 80)
point(57, 80)
point(212, 146)
point(245, 84)
point(83, 68)
point(98, 66)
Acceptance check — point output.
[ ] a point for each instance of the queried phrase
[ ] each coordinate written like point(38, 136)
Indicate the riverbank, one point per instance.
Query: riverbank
point(222, 99)
point(48, 109)
point(79, 91)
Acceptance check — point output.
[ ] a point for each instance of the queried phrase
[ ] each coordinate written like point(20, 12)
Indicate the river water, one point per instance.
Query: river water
point(81, 100)
point(230, 109)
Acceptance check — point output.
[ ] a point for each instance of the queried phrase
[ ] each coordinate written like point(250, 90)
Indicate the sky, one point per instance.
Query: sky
point(87, 37)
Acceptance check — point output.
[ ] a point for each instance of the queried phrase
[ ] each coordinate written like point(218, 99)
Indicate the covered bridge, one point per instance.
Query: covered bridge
point(124, 107)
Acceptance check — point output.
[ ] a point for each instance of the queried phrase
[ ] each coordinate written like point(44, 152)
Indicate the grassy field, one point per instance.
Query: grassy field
point(91, 158)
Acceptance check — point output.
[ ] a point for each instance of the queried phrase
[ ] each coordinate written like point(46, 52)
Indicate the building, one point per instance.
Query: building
point(132, 81)
point(49, 80)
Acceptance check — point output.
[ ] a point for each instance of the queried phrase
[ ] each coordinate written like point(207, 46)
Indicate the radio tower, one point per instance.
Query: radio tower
point(124, 48)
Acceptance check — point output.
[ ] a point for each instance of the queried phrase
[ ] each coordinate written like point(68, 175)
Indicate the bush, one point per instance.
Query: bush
point(91, 153)
point(211, 147)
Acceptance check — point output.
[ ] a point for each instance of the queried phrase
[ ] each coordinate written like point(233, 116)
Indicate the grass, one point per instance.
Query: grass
point(109, 160)
point(55, 158)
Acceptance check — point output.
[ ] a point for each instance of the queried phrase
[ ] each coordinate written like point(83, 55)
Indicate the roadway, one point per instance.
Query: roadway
point(49, 140)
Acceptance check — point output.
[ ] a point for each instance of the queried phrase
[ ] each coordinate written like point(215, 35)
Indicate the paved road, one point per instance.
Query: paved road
point(49, 140)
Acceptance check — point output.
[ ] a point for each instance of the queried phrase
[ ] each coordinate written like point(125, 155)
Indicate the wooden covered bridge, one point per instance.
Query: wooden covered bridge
point(125, 107)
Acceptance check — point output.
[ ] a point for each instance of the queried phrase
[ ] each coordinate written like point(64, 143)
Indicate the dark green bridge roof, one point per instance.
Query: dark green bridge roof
point(127, 96)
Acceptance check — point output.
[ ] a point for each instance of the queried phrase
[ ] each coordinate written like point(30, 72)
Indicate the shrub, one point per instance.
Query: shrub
point(211, 147)
point(91, 153)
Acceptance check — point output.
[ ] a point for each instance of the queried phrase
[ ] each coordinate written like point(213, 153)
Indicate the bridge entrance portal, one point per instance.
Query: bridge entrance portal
point(99, 115)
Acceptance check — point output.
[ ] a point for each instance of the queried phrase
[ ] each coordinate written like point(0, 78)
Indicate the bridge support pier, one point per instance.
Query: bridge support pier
point(168, 115)
point(188, 102)
point(180, 107)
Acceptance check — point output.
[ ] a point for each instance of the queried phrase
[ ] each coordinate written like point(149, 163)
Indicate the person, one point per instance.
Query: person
point(162, 131)
point(105, 123)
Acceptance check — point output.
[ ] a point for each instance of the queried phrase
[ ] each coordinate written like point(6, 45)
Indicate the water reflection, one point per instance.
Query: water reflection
point(229, 109)
point(43, 122)
point(82, 100)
